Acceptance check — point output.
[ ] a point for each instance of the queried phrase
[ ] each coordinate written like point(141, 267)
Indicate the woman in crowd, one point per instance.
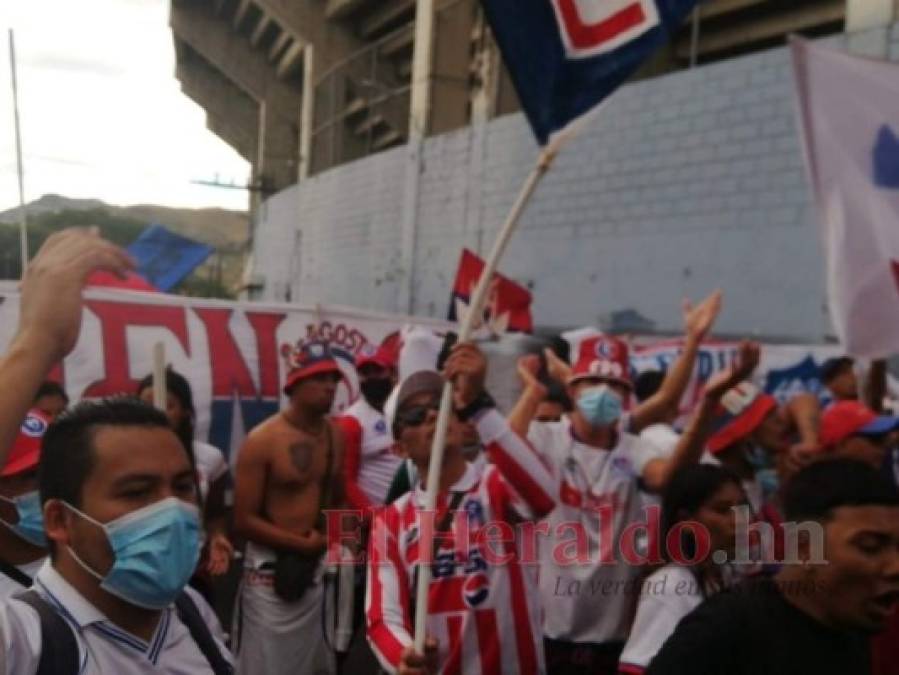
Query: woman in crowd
point(705, 495)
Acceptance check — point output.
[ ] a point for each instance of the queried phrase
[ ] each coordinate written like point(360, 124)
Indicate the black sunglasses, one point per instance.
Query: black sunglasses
point(415, 416)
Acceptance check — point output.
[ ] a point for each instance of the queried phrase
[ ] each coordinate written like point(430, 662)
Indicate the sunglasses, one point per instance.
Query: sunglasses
point(415, 416)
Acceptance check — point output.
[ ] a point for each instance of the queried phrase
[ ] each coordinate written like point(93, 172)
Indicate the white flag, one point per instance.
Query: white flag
point(849, 114)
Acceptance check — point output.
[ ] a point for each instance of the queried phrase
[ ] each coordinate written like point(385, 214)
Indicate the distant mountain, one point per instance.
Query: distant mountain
point(217, 227)
point(226, 231)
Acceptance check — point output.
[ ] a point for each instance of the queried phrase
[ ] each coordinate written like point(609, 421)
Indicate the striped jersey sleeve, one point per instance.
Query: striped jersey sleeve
point(484, 614)
point(531, 485)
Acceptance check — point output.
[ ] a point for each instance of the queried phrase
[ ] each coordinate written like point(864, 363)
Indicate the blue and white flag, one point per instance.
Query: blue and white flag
point(164, 258)
point(566, 56)
point(849, 112)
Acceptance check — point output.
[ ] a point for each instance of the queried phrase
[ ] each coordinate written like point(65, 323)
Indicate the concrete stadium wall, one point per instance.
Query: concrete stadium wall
point(682, 184)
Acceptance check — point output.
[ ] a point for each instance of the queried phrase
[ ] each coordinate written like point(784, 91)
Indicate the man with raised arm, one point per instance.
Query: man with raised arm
point(50, 318)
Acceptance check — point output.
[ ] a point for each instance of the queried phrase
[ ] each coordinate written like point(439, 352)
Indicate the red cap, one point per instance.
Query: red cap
point(602, 358)
point(848, 418)
point(308, 359)
point(742, 410)
point(382, 356)
point(26, 449)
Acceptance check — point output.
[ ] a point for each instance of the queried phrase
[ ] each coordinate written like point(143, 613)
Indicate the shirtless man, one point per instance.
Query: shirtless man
point(287, 473)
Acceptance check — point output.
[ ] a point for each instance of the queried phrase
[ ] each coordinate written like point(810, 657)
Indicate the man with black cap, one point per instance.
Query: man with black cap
point(369, 462)
point(288, 473)
point(483, 609)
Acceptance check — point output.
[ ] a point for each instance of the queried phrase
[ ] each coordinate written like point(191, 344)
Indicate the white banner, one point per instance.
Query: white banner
point(849, 113)
point(784, 370)
point(230, 352)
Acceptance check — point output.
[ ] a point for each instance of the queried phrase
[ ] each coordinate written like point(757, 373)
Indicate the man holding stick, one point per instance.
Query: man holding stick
point(483, 610)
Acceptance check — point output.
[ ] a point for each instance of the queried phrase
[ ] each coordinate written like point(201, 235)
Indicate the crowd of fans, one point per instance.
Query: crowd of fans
point(591, 529)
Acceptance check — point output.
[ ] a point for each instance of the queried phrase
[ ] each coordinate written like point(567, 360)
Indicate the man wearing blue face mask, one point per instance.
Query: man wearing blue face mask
point(124, 533)
point(23, 546)
point(587, 583)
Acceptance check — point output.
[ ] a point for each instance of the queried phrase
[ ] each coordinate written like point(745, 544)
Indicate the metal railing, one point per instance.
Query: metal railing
point(362, 102)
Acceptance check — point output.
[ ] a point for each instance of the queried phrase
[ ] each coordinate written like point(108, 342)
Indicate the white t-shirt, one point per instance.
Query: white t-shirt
point(211, 466)
point(371, 450)
point(666, 597)
point(590, 600)
point(103, 647)
point(9, 588)
point(665, 438)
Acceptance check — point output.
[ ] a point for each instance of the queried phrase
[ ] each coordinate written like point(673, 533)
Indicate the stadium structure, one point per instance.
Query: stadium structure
point(385, 135)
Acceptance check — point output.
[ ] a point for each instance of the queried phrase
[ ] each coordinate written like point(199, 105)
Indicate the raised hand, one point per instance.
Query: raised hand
point(528, 367)
point(466, 368)
point(698, 319)
point(742, 368)
point(556, 367)
point(51, 301)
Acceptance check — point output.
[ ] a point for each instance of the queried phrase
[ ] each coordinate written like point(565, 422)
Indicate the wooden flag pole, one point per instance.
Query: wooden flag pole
point(160, 395)
point(475, 310)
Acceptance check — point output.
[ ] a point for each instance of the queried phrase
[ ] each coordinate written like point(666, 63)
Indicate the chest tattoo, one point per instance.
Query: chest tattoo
point(301, 454)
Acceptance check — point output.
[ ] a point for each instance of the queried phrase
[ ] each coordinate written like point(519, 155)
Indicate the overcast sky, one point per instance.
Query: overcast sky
point(102, 113)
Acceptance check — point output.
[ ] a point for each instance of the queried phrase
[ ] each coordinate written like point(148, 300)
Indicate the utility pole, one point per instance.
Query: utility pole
point(23, 218)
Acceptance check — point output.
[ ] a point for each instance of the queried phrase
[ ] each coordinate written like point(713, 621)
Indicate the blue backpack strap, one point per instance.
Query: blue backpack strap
point(59, 647)
point(190, 616)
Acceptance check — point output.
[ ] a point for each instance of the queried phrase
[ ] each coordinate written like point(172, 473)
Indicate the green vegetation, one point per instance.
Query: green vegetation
point(119, 229)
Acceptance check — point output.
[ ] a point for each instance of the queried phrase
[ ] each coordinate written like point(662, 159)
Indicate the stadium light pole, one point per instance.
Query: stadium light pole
point(23, 218)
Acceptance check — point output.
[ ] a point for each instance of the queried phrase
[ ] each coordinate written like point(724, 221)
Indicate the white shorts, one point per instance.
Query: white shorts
point(274, 637)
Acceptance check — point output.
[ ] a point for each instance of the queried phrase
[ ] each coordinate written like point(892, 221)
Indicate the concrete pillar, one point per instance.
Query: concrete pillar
point(419, 118)
point(863, 14)
point(422, 67)
point(307, 113)
point(450, 98)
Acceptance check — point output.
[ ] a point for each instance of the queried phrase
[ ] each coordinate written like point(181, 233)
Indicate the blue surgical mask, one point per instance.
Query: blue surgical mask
point(600, 405)
point(156, 550)
point(31, 518)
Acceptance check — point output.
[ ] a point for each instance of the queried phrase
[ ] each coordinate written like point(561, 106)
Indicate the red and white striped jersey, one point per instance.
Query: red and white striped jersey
point(589, 592)
point(483, 606)
point(369, 463)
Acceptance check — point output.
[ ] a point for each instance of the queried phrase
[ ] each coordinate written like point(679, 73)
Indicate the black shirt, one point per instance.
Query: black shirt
point(752, 629)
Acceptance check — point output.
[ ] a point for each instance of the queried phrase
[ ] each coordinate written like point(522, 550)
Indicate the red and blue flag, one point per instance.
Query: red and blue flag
point(567, 56)
point(508, 308)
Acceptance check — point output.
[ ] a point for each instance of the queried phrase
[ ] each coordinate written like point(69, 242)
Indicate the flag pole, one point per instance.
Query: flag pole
point(23, 218)
point(160, 393)
point(471, 320)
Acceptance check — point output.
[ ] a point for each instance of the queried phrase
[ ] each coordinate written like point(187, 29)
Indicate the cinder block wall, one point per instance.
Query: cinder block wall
point(682, 184)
